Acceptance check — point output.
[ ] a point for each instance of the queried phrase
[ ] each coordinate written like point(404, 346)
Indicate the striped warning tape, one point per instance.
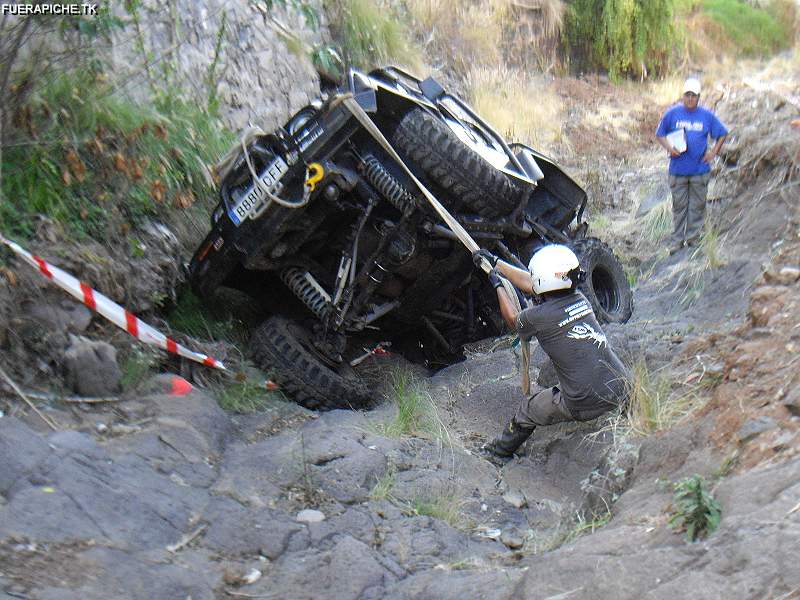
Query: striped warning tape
point(112, 311)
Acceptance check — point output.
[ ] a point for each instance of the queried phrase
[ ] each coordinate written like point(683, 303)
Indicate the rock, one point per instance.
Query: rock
point(63, 316)
point(783, 276)
point(792, 401)
point(310, 516)
point(765, 302)
point(512, 539)
point(516, 499)
point(784, 441)
point(754, 427)
point(91, 367)
point(236, 529)
point(21, 449)
point(347, 569)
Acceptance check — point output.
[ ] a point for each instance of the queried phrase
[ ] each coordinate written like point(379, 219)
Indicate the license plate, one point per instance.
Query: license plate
point(253, 201)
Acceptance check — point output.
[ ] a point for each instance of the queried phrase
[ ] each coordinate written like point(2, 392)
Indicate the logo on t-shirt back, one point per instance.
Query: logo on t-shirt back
point(575, 312)
point(584, 331)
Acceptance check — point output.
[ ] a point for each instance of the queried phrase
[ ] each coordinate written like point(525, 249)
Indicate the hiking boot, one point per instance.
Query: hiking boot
point(501, 449)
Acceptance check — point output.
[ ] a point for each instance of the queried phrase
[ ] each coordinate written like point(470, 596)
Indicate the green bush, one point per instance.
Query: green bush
point(621, 36)
point(98, 163)
point(751, 31)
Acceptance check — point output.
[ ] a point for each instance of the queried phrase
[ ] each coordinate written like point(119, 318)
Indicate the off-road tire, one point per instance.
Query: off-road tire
point(465, 180)
point(606, 286)
point(301, 375)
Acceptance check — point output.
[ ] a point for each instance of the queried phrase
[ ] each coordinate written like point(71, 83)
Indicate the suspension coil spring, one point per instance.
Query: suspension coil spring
point(296, 280)
point(386, 184)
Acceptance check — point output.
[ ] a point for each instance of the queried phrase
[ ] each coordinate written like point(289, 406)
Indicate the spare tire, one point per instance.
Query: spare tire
point(606, 286)
point(464, 179)
point(283, 348)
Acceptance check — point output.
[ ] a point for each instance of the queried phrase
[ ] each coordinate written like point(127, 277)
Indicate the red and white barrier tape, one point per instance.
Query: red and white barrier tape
point(109, 309)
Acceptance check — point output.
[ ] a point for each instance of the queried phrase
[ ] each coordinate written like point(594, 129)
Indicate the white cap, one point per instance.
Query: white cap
point(692, 85)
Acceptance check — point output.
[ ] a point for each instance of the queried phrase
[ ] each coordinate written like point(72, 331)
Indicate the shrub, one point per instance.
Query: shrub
point(98, 163)
point(192, 317)
point(740, 29)
point(694, 509)
point(751, 31)
point(624, 37)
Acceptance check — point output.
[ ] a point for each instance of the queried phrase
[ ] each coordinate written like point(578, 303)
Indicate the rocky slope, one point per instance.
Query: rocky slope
point(164, 495)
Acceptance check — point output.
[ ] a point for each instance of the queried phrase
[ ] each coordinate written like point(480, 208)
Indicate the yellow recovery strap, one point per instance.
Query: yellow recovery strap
point(449, 220)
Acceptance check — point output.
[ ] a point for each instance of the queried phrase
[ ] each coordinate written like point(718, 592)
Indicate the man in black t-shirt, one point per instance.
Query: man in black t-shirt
point(592, 380)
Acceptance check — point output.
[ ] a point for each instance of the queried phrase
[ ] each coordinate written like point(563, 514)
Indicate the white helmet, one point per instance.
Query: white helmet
point(552, 268)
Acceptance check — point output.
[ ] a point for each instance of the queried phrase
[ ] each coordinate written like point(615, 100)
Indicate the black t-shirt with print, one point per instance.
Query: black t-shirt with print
point(588, 371)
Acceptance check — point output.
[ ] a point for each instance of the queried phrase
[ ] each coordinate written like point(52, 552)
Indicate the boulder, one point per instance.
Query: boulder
point(91, 367)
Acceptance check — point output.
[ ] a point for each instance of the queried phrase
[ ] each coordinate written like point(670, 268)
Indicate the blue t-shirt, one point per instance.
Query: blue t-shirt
point(699, 124)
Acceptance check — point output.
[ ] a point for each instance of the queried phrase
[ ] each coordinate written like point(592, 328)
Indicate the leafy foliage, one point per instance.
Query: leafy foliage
point(694, 508)
point(190, 316)
point(98, 163)
point(737, 28)
point(622, 36)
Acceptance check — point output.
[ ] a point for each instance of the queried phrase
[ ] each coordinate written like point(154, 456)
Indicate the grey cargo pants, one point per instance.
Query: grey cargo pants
point(688, 207)
point(547, 407)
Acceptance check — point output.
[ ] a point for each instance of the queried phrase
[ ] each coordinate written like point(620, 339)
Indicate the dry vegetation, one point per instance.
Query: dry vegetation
point(519, 106)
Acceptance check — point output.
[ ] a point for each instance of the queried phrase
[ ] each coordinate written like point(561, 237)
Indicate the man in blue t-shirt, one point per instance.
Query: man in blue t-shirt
point(690, 161)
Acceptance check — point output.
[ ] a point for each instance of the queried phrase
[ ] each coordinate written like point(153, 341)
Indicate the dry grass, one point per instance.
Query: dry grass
point(532, 32)
point(468, 33)
point(444, 506)
point(667, 91)
point(655, 403)
point(487, 32)
point(517, 106)
point(657, 224)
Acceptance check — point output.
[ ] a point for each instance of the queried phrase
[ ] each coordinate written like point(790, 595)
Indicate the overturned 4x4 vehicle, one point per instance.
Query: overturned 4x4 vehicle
point(334, 241)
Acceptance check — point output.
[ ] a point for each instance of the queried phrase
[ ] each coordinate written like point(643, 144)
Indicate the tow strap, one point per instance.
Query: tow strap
point(456, 227)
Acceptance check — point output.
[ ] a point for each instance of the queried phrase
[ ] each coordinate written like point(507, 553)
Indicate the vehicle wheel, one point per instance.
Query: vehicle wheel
point(606, 286)
point(283, 348)
point(465, 178)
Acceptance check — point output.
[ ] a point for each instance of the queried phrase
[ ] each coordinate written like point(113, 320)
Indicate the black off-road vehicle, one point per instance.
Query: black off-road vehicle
point(339, 248)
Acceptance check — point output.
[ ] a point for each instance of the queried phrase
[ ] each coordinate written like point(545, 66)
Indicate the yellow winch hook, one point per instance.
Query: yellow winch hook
point(314, 174)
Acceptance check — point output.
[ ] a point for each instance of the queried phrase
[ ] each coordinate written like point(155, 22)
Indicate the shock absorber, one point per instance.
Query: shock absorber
point(386, 184)
point(307, 289)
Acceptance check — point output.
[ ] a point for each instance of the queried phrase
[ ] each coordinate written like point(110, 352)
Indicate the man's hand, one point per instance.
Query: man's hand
point(484, 254)
point(494, 278)
point(673, 151)
point(710, 156)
